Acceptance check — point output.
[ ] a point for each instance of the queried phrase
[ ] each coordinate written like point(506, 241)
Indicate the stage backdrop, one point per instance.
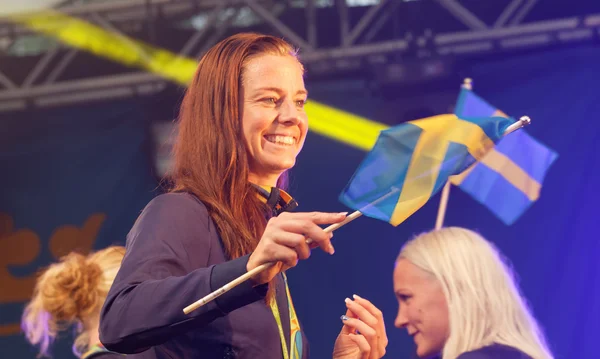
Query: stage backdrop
point(79, 177)
point(71, 179)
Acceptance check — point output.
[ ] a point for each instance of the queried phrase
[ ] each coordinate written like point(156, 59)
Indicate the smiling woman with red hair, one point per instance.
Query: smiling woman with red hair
point(242, 124)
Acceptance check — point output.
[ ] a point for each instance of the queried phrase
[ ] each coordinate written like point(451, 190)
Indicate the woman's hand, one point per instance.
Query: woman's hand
point(284, 241)
point(363, 334)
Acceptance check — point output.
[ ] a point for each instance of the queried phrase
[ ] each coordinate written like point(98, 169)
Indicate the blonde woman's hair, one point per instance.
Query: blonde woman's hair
point(485, 305)
point(70, 293)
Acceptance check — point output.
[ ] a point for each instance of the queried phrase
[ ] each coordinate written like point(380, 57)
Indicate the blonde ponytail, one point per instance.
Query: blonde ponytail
point(69, 294)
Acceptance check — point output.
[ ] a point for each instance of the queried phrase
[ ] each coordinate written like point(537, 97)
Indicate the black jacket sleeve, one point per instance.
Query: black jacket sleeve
point(164, 270)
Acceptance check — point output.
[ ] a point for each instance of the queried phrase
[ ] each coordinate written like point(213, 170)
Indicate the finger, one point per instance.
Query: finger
point(280, 267)
point(362, 313)
point(362, 344)
point(284, 267)
point(316, 217)
point(377, 314)
point(347, 329)
point(383, 340)
point(314, 244)
point(356, 325)
point(294, 241)
point(376, 333)
point(314, 233)
point(283, 254)
point(310, 230)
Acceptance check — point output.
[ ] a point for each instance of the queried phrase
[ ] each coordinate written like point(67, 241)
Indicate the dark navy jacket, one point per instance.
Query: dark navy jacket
point(175, 257)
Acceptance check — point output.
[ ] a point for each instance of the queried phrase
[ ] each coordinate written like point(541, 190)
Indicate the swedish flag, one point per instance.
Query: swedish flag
point(508, 179)
point(412, 161)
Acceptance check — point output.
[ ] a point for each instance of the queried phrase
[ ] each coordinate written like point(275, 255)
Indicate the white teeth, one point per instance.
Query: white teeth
point(281, 140)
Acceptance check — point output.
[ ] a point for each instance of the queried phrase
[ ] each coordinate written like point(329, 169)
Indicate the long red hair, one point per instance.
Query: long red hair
point(210, 155)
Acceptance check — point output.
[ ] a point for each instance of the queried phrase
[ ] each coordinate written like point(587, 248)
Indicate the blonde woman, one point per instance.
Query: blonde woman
point(458, 300)
point(71, 293)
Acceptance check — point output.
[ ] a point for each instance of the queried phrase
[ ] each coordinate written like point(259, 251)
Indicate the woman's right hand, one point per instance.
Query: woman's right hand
point(284, 241)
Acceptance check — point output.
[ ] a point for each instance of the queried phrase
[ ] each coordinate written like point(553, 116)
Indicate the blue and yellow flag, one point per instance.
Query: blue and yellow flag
point(508, 179)
point(412, 161)
point(471, 105)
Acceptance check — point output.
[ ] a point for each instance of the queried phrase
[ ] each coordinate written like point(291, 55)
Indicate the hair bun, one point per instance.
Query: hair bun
point(70, 288)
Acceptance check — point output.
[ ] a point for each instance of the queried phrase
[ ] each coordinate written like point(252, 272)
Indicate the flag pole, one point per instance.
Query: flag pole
point(244, 277)
point(439, 221)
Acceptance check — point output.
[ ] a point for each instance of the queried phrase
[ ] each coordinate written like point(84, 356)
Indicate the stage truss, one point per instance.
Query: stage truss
point(334, 38)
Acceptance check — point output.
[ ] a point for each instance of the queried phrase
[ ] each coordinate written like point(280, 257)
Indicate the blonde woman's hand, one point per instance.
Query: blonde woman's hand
point(363, 334)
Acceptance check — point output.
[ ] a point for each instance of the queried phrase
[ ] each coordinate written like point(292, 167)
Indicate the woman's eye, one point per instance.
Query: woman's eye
point(403, 297)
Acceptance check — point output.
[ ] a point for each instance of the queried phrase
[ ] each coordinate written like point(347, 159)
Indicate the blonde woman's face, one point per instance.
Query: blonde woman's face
point(423, 310)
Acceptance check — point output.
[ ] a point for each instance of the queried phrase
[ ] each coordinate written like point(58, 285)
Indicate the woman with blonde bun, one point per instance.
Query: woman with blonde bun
point(69, 294)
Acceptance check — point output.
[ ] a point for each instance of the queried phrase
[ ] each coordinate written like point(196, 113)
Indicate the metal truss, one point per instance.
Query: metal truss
point(350, 40)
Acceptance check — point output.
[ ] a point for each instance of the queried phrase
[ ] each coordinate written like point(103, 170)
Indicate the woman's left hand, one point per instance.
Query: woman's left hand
point(363, 334)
